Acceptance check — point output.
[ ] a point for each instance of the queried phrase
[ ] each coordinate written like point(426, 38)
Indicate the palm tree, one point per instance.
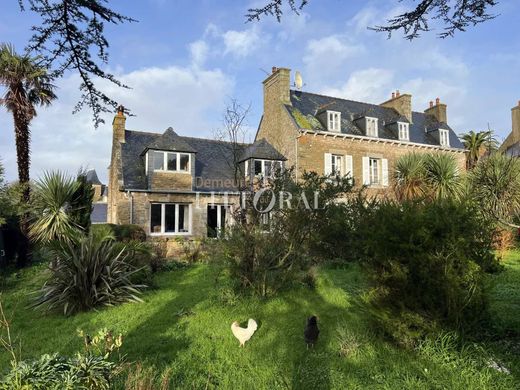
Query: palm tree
point(27, 85)
point(478, 145)
point(495, 185)
point(409, 177)
point(442, 176)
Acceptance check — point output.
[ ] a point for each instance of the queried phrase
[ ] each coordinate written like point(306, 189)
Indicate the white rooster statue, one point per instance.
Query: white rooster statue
point(244, 334)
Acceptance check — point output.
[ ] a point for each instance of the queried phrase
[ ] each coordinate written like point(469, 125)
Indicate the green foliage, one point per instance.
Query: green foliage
point(427, 263)
point(90, 369)
point(495, 186)
point(81, 203)
point(94, 271)
point(124, 233)
point(266, 256)
point(193, 250)
point(52, 204)
point(478, 145)
point(431, 176)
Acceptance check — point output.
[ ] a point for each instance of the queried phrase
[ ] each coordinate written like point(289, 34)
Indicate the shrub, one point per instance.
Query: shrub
point(91, 369)
point(192, 249)
point(426, 262)
point(81, 202)
point(95, 271)
point(123, 233)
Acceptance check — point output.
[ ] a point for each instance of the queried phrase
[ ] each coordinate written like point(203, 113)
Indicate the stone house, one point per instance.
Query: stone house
point(511, 145)
point(180, 186)
point(327, 134)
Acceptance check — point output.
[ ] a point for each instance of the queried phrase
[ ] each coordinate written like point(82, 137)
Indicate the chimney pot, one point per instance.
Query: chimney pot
point(397, 93)
point(274, 69)
point(437, 101)
point(431, 103)
point(393, 95)
point(519, 103)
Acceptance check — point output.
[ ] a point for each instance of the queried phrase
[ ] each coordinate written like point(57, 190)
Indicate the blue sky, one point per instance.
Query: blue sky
point(186, 59)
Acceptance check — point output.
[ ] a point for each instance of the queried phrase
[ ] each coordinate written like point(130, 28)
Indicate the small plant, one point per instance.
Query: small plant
point(141, 378)
point(96, 271)
point(192, 249)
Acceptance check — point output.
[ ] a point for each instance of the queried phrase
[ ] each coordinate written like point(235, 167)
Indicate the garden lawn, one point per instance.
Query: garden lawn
point(184, 325)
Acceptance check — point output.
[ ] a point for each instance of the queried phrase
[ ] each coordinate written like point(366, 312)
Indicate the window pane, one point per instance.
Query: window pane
point(169, 218)
point(268, 168)
point(155, 220)
point(184, 218)
point(185, 162)
point(157, 160)
point(222, 217)
point(258, 167)
point(172, 161)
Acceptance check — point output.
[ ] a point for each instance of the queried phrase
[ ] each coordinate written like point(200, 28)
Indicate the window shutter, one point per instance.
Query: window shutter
point(366, 171)
point(348, 166)
point(384, 170)
point(328, 164)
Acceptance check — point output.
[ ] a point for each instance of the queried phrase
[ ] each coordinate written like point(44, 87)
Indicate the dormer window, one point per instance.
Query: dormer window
point(168, 161)
point(444, 137)
point(334, 121)
point(404, 134)
point(371, 127)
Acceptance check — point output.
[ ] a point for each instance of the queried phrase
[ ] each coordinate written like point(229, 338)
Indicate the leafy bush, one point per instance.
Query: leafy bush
point(267, 252)
point(123, 233)
point(92, 369)
point(95, 271)
point(192, 249)
point(426, 261)
point(81, 202)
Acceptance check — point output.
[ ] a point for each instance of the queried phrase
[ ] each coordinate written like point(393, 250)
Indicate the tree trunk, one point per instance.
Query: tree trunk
point(22, 138)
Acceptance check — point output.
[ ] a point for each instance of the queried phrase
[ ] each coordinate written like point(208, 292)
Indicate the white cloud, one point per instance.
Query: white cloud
point(243, 43)
point(368, 85)
point(199, 52)
point(186, 98)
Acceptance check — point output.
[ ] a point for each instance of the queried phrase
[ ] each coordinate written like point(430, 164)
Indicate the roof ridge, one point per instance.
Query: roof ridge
point(214, 140)
point(349, 100)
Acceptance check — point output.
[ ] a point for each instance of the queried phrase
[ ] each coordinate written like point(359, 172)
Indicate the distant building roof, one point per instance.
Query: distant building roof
point(305, 107)
point(92, 177)
point(99, 213)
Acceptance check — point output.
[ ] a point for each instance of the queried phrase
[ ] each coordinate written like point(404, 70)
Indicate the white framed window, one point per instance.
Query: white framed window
point(375, 171)
point(404, 133)
point(170, 218)
point(444, 137)
point(168, 161)
point(266, 168)
point(371, 127)
point(336, 164)
point(334, 121)
point(217, 217)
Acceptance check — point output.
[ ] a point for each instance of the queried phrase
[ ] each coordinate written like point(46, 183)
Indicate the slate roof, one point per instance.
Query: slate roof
point(170, 141)
point(213, 159)
point(261, 149)
point(99, 213)
point(306, 106)
point(92, 177)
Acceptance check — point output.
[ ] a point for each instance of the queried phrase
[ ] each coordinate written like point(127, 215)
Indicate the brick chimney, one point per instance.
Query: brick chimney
point(118, 125)
point(515, 116)
point(401, 103)
point(437, 110)
point(276, 87)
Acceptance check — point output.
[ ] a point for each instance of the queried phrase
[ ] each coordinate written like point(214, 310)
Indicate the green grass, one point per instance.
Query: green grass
point(184, 325)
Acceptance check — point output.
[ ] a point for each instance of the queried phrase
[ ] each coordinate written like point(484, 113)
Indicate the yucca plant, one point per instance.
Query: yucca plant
point(442, 176)
point(495, 185)
point(91, 272)
point(409, 176)
point(53, 195)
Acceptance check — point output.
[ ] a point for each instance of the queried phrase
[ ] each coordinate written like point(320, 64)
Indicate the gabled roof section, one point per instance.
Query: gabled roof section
point(306, 106)
point(261, 149)
point(169, 141)
point(92, 177)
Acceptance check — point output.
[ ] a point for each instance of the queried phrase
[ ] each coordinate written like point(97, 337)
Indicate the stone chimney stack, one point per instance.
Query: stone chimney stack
point(401, 103)
point(118, 125)
point(515, 116)
point(438, 110)
point(277, 87)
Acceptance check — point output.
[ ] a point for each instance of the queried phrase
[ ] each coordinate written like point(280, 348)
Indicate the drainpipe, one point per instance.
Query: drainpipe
point(296, 163)
point(131, 196)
